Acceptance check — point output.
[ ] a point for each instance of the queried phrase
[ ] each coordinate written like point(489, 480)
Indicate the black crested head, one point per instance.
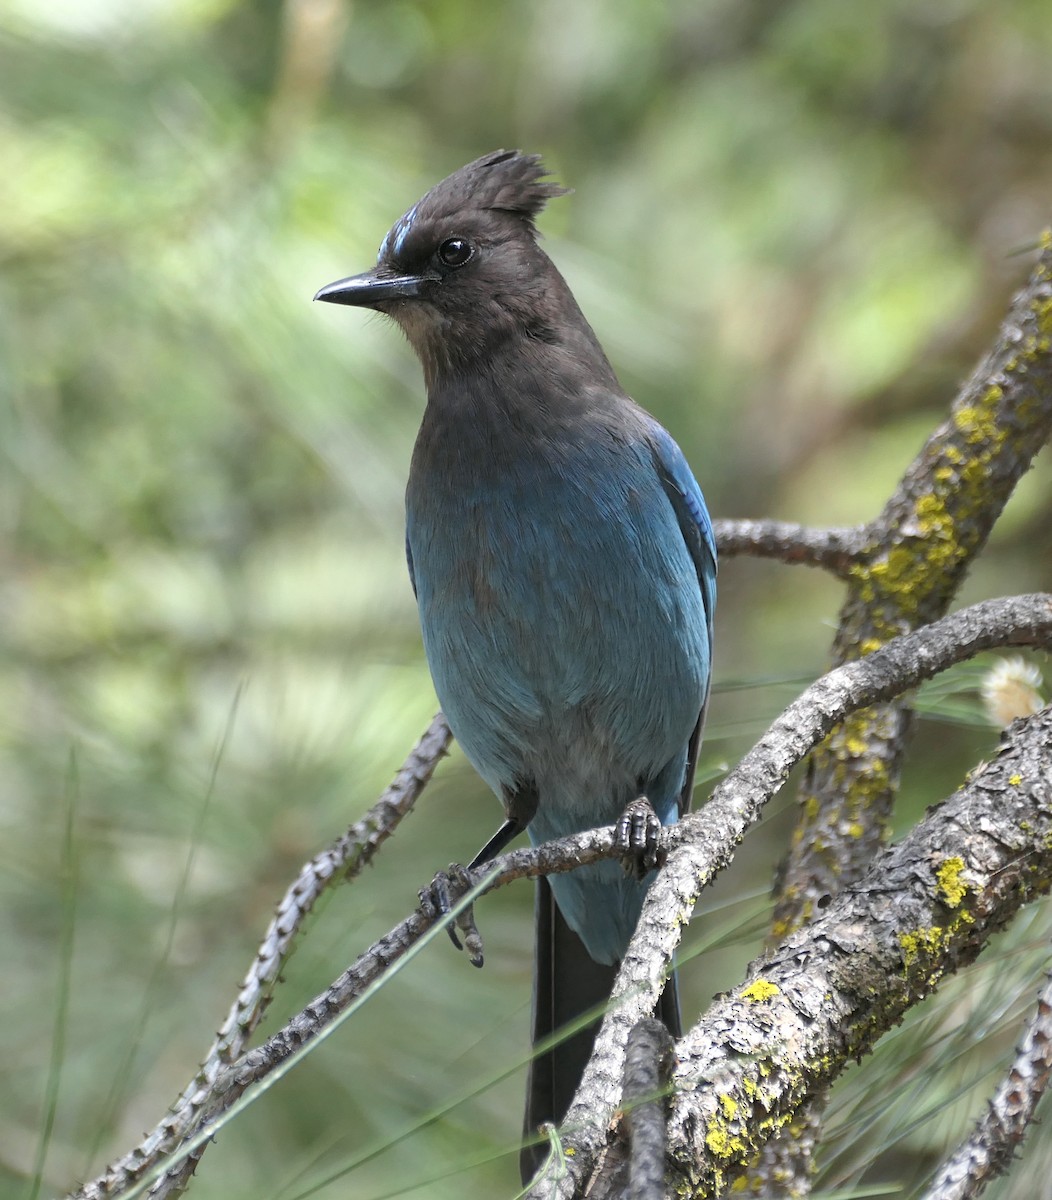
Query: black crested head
point(499, 193)
point(506, 181)
point(462, 274)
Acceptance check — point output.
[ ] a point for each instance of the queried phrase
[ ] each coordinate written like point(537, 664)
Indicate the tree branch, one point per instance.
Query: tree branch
point(918, 551)
point(1001, 1130)
point(649, 1057)
point(703, 842)
point(698, 847)
point(836, 549)
point(822, 999)
point(341, 861)
point(920, 547)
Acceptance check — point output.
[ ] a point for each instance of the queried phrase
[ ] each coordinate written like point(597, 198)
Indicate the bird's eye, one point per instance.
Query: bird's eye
point(455, 252)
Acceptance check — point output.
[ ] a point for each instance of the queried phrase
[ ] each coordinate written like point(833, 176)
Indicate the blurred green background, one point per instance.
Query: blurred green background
point(795, 226)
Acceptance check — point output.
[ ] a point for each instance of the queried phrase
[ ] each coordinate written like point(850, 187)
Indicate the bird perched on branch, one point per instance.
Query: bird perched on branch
point(565, 570)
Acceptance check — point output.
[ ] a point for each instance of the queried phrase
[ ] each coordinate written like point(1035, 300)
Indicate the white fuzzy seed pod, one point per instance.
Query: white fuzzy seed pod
point(1011, 689)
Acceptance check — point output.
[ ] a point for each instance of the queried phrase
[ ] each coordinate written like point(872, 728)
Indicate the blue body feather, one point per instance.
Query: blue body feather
point(565, 574)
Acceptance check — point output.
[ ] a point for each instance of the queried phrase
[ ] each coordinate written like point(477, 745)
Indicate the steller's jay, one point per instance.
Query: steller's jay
point(565, 570)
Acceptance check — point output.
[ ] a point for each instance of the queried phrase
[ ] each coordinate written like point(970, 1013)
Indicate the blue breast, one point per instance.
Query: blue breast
point(564, 626)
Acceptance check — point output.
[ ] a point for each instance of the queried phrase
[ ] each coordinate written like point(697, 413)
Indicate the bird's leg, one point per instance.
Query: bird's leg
point(442, 894)
point(638, 835)
point(440, 897)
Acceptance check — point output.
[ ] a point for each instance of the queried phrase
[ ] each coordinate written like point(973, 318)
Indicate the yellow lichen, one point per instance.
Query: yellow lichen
point(720, 1141)
point(951, 887)
point(780, 927)
point(729, 1106)
point(760, 990)
point(1015, 780)
point(978, 421)
point(927, 943)
point(924, 942)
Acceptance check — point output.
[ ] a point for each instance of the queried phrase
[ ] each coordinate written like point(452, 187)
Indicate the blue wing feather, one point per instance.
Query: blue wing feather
point(696, 526)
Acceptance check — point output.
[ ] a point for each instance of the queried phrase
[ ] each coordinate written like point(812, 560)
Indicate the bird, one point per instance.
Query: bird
point(564, 567)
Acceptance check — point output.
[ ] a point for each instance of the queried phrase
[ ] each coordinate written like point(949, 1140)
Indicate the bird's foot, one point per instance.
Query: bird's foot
point(638, 834)
point(439, 899)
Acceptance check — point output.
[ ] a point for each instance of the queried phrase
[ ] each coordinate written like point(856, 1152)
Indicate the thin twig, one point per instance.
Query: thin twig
point(836, 549)
point(1004, 1125)
point(648, 1072)
point(342, 860)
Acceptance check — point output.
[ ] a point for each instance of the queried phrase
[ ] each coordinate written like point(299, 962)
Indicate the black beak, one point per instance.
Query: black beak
point(372, 288)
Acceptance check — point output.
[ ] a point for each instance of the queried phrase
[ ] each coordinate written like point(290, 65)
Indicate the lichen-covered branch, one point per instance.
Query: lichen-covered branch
point(1010, 1111)
point(703, 842)
point(918, 551)
point(340, 861)
point(823, 997)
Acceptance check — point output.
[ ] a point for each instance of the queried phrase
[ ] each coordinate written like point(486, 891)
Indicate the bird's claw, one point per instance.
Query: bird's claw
point(439, 899)
point(638, 835)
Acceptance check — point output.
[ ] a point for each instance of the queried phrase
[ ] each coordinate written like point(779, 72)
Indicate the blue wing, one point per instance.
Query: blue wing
point(689, 506)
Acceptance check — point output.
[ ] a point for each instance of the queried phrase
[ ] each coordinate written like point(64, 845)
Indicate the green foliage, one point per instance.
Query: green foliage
point(791, 229)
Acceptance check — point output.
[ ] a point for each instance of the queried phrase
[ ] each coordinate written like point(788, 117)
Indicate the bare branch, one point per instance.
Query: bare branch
point(836, 549)
point(648, 1073)
point(1001, 1130)
point(343, 860)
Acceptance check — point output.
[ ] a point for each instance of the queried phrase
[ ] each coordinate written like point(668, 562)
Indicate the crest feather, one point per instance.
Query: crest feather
point(513, 182)
point(504, 180)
